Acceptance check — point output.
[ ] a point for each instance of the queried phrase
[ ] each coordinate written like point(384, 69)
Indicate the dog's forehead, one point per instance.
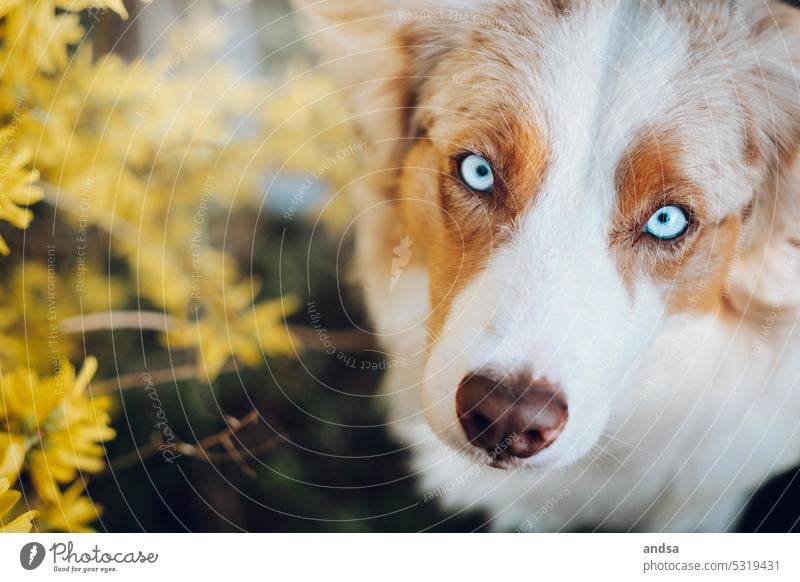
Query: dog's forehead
point(609, 76)
point(593, 81)
point(631, 75)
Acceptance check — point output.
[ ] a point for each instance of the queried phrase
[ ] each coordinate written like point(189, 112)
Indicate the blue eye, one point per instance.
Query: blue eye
point(667, 223)
point(477, 173)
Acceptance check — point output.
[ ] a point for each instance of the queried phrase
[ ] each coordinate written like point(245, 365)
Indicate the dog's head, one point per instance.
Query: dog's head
point(575, 175)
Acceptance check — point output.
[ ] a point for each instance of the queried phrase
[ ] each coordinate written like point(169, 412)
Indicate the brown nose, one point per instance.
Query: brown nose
point(516, 416)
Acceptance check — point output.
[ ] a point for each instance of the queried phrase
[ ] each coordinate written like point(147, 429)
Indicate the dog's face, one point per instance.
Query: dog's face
point(575, 175)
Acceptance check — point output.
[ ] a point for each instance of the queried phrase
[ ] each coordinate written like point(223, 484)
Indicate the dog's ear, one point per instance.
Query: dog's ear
point(772, 101)
point(379, 52)
point(770, 98)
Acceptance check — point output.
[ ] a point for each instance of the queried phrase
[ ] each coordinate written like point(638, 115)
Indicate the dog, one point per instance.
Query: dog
point(598, 206)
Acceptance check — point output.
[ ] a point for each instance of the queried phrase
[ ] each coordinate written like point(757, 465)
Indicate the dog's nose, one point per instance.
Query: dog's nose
point(516, 416)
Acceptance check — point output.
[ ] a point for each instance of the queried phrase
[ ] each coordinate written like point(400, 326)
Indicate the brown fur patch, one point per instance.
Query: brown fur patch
point(693, 268)
point(560, 7)
point(752, 151)
point(777, 18)
point(698, 285)
point(461, 229)
point(648, 177)
point(649, 171)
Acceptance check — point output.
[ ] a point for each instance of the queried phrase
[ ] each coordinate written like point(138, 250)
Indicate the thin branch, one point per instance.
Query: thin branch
point(201, 450)
point(156, 377)
point(236, 455)
point(135, 456)
point(145, 320)
point(347, 340)
point(234, 426)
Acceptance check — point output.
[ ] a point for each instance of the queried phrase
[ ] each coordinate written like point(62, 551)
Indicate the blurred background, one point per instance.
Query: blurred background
point(179, 219)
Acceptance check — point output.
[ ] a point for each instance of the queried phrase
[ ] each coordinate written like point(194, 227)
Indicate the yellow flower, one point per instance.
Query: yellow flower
point(62, 427)
point(69, 512)
point(38, 34)
point(8, 499)
point(17, 184)
point(29, 334)
point(13, 448)
point(35, 301)
point(38, 37)
point(7, 5)
point(125, 149)
point(247, 334)
point(266, 323)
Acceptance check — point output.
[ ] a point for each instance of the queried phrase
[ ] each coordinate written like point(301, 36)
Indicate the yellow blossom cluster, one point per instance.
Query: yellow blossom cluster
point(144, 165)
point(8, 500)
point(52, 429)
